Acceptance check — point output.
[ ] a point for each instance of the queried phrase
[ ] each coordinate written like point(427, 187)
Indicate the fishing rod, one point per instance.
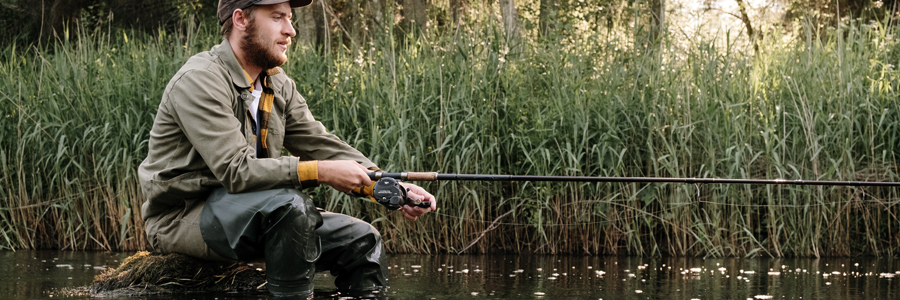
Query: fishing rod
point(432, 176)
point(388, 192)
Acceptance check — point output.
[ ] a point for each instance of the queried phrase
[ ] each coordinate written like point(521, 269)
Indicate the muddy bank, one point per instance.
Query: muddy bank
point(145, 274)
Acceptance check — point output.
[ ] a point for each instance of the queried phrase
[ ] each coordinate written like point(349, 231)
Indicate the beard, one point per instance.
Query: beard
point(257, 52)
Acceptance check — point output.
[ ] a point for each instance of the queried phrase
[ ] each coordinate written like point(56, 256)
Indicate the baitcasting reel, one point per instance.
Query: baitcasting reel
point(389, 193)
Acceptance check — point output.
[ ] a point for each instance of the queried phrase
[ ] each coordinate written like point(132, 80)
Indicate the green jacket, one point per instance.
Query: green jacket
point(202, 136)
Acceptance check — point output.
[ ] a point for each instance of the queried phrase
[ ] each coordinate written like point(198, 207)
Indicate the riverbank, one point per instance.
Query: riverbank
point(76, 117)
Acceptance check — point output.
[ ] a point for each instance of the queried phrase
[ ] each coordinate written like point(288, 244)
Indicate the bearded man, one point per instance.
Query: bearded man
point(214, 179)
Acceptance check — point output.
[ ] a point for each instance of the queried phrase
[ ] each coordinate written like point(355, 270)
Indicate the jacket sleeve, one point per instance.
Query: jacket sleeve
point(201, 104)
point(308, 139)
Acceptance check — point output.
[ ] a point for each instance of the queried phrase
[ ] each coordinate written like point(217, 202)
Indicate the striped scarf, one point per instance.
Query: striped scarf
point(264, 110)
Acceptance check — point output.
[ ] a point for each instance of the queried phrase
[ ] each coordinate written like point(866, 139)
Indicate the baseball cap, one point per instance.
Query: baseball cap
point(227, 7)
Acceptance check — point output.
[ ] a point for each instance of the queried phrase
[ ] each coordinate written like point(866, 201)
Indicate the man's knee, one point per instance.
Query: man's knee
point(300, 214)
point(178, 231)
point(342, 229)
point(361, 228)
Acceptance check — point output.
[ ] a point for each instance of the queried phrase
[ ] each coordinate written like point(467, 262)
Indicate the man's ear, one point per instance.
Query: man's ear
point(239, 19)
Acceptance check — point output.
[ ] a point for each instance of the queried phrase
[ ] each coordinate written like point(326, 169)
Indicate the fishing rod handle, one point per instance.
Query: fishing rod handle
point(406, 176)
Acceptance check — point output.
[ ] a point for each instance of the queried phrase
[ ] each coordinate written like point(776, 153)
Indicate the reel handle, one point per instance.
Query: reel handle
point(388, 192)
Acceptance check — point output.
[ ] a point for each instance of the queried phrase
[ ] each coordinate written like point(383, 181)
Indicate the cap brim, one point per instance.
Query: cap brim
point(293, 3)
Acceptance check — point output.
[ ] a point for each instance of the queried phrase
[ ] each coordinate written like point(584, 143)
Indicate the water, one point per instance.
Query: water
point(45, 274)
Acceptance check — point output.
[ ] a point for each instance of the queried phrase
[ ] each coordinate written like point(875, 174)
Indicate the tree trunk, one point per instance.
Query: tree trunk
point(657, 20)
point(547, 19)
point(414, 15)
point(746, 19)
point(376, 21)
point(456, 9)
point(357, 25)
point(62, 14)
point(323, 26)
point(511, 22)
point(305, 20)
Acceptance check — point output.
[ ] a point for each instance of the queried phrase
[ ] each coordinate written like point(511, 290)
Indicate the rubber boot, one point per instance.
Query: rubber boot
point(365, 272)
point(354, 253)
point(291, 249)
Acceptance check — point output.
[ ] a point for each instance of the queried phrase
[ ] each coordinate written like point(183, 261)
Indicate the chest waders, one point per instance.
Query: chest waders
point(295, 239)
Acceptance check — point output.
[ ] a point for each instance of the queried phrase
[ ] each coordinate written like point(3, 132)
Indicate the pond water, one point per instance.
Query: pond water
point(44, 274)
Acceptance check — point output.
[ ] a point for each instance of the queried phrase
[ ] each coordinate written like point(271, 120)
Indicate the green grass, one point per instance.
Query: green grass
point(76, 119)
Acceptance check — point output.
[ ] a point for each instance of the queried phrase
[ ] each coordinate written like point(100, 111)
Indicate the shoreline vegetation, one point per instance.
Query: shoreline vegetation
point(820, 105)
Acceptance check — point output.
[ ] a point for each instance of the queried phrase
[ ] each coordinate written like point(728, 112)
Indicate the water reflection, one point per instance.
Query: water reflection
point(36, 274)
point(42, 274)
point(578, 277)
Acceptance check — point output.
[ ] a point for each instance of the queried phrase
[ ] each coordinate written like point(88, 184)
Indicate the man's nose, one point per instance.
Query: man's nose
point(289, 30)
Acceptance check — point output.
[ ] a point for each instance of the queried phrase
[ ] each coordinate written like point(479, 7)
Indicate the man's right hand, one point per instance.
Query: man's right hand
point(343, 175)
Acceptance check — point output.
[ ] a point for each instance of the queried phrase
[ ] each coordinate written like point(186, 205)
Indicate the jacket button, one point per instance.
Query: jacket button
point(245, 96)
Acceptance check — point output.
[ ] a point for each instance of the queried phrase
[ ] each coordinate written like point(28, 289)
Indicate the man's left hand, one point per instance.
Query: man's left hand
point(416, 192)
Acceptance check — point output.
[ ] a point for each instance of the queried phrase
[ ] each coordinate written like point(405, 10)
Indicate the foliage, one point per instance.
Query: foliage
point(830, 12)
point(75, 119)
point(75, 122)
point(34, 23)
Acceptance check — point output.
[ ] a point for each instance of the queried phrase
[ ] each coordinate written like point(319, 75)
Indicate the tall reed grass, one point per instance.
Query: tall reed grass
point(74, 128)
point(76, 119)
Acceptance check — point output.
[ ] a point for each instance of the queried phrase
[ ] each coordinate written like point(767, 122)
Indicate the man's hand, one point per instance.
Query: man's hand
point(343, 175)
point(416, 193)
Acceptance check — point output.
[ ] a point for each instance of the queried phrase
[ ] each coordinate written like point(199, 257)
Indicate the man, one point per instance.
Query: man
point(216, 185)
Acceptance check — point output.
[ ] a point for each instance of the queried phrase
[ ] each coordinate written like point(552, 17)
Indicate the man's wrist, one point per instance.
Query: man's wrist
point(366, 191)
point(308, 172)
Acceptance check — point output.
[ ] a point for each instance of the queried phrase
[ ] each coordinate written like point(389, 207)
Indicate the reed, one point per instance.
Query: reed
point(823, 106)
point(75, 123)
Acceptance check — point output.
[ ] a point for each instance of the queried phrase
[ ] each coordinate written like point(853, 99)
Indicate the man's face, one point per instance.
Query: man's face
point(268, 36)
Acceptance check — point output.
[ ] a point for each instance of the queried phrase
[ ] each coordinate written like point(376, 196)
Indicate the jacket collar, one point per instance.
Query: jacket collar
point(238, 76)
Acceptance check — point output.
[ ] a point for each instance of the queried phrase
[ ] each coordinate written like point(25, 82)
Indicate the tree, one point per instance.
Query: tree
point(657, 20)
point(510, 15)
point(357, 22)
point(309, 22)
point(55, 15)
point(830, 12)
point(46, 20)
point(376, 8)
point(456, 7)
point(414, 15)
point(547, 17)
point(746, 19)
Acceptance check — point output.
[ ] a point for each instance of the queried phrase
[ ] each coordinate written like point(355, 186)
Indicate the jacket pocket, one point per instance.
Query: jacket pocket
point(190, 185)
point(275, 141)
